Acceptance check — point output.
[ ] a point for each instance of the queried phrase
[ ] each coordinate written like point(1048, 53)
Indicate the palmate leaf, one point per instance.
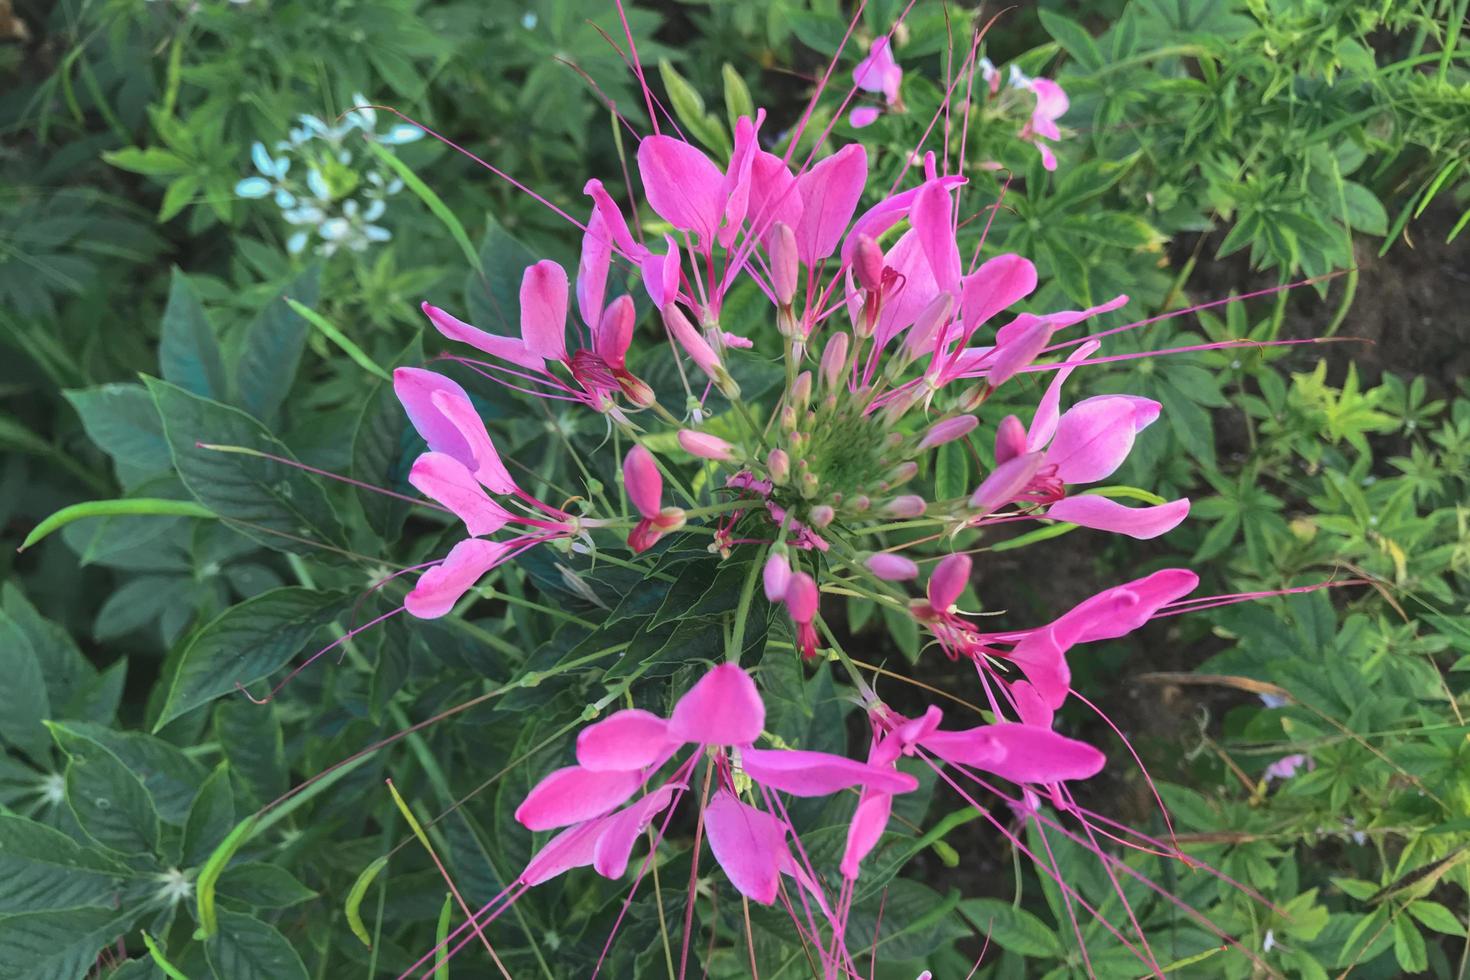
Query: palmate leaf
point(109, 801)
point(188, 351)
point(280, 506)
point(44, 869)
point(245, 948)
point(270, 353)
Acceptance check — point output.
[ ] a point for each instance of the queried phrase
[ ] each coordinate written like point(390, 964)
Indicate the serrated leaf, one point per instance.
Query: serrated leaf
point(188, 350)
point(243, 486)
point(246, 643)
point(245, 948)
point(110, 803)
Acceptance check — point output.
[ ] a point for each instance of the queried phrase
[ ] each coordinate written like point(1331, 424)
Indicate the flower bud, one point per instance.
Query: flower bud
point(778, 465)
point(834, 359)
point(867, 263)
point(948, 581)
point(948, 430)
point(1010, 439)
point(706, 446)
point(636, 390)
point(901, 473)
point(776, 576)
point(801, 390)
point(809, 485)
point(802, 597)
point(784, 271)
point(905, 507)
point(891, 567)
point(820, 516)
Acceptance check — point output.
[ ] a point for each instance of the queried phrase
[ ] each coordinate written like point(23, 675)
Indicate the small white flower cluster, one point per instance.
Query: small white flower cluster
point(342, 196)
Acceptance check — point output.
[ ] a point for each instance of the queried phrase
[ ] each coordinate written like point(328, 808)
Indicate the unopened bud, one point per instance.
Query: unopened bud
point(788, 418)
point(948, 430)
point(809, 485)
point(867, 264)
point(973, 397)
point(834, 359)
point(820, 516)
point(636, 390)
point(776, 576)
point(908, 506)
point(891, 567)
point(778, 465)
point(782, 244)
point(705, 446)
point(1010, 439)
point(902, 473)
point(801, 390)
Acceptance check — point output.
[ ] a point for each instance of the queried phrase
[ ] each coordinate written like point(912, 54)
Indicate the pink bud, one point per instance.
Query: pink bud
point(867, 263)
point(948, 581)
point(801, 390)
point(1010, 439)
point(902, 473)
point(776, 576)
point(834, 359)
point(908, 506)
point(706, 446)
point(782, 245)
point(948, 430)
point(778, 465)
point(698, 349)
point(1006, 482)
point(802, 597)
point(891, 567)
point(643, 481)
point(615, 332)
point(820, 516)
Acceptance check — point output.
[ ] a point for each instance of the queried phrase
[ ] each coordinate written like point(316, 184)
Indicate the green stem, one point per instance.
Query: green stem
point(742, 612)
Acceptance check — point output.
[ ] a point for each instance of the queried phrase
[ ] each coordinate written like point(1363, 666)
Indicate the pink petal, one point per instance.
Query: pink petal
point(621, 831)
point(572, 848)
point(705, 446)
point(885, 214)
point(749, 845)
point(869, 821)
point(439, 588)
point(971, 747)
point(1010, 439)
point(722, 708)
point(661, 273)
point(1051, 101)
point(1048, 158)
point(829, 194)
point(932, 218)
point(415, 388)
point(592, 269)
point(698, 349)
point(1093, 439)
point(1016, 349)
point(1031, 707)
point(785, 267)
point(802, 597)
point(613, 334)
point(506, 348)
point(892, 568)
point(544, 310)
point(613, 219)
point(1102, 514)
point(624, 741)
point(1039, 755)
point(736, 187)
point(914, 289)
point(773, 195)
point(488, 469)
point(802, 773)
point(879, 72)
point(863, 116)
point(950, 577)
point(682, 186)
point(1006, 482)
point(1044, 422)
point(644, 482)
point(1124, 608)
point(574, 794)
point(948, 430)
point(448, 482)
point(1042, 657)
point(998, 284)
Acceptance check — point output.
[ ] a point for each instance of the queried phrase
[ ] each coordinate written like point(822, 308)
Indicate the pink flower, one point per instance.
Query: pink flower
point(1051, 104)
point(705, 446)
point(880, 74)
point(802, 599)
point(1288, 766)
point(645, 486)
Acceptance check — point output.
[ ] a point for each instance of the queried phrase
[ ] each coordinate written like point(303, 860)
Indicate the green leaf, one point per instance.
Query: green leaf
point(122, 420)
point(110, 803)
point(55, 944)
point(151, 162)
point(357, 893)
point(737, 96)
point(492, 297)
point(271, 350)
point(68, 675)
point(188, 351)
point(688, 105)
point(1011, 928)
point(24, 705)
point(383, 445)
point(274, 499)
point(160, 958)
point(245, 948)
point(171, 778)
point(951, 471)
point(1408, 946)
point(1365, 212)
point(1435, 916)
point(134, 507)
point(431, 200)
point(246, 643)
point(44, 869)
point(211, 817)
point(1073, 38)
point(344, 343)
point(266, 886)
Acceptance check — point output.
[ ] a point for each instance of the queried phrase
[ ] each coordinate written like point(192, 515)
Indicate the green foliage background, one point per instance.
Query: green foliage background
point(1214, 147)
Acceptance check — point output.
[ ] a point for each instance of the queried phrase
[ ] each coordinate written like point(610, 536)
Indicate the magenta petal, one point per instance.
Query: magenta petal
point(682, 186)
point(623, 741)
point(1093, 439)
point(950, 577)
point(749, 845)
point(998, 284)
point(1042, 657)
point(863, 116)
point(933, 217)
point(612, 219)
point(1124, 608)
point(774, 196)
point(574, 794)
point(488, 468)
point(1006, 482)
point(572, 848)
point(613, 334)
point(736, 188)
point(621, 831)
point(1018, 344)
point(868, 823)
point(593, 268)
point(885, 214)
point(829, 194)
point(722, 708)
point(506, 348)
point(544, 310)
point(803, 773)
point(448, 482)
point(1102, 514)
point(415, 389)
point(1040, 755)
point(1044, 421)
point(644, 483)
point(970, 747)
point(439, 588)
point(1031, 707)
